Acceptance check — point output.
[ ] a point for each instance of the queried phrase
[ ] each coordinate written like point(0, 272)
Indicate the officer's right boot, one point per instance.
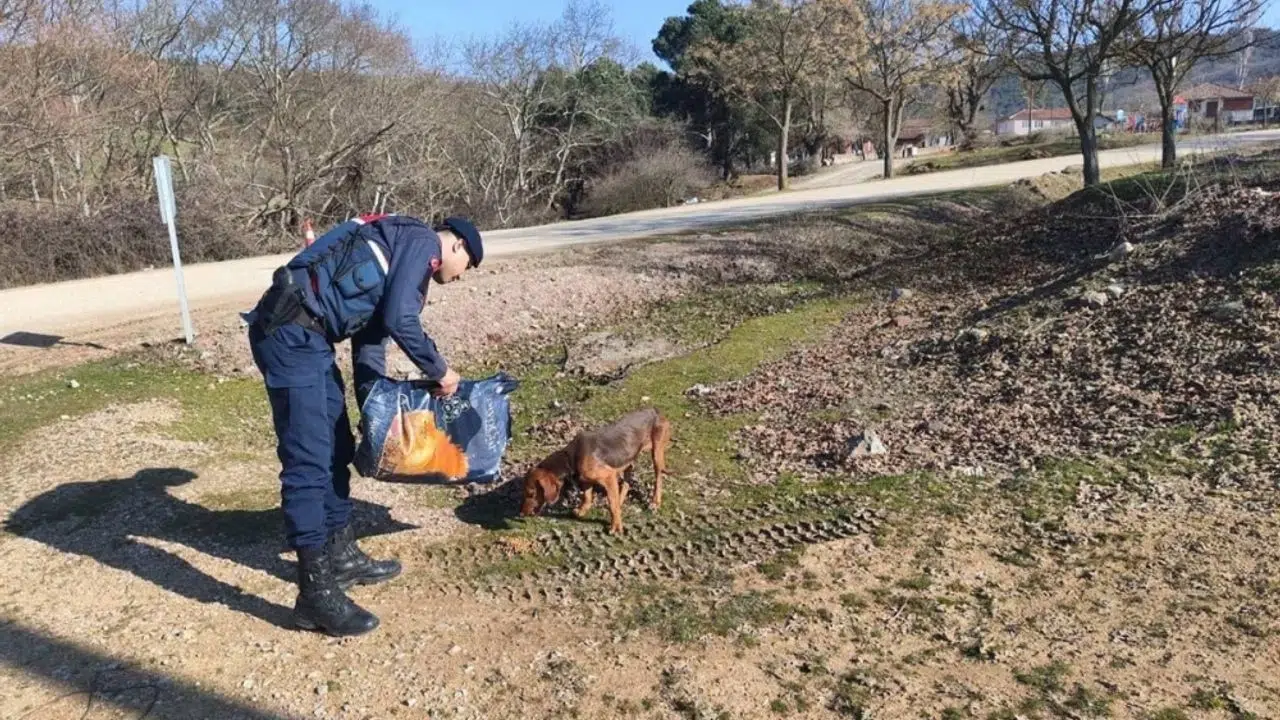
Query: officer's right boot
point(321, 604)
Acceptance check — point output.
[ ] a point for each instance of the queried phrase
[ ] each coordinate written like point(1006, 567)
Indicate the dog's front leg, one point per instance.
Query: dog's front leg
point(588, 499)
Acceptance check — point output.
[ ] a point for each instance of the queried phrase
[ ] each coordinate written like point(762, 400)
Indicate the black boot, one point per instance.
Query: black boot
point(321, 604)
point(352, 567)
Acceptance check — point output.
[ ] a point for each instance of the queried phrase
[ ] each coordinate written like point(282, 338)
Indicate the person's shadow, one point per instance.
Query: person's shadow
point(100, 519)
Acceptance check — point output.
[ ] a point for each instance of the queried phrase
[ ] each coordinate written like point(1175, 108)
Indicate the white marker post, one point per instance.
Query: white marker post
point(169, 214)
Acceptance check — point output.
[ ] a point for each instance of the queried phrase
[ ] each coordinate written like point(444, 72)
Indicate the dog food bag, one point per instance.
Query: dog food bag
point(406, 432)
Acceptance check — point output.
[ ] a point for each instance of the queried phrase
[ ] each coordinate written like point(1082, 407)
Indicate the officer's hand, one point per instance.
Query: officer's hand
point(448, 384)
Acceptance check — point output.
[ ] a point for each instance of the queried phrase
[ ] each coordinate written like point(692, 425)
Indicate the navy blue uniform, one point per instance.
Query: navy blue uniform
point(364, 280)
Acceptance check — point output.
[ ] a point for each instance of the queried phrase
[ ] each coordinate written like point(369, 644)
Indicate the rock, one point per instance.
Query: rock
point(1094, 299)
point(866, 445)
point(901, 320)
point(1115, 290)
point(73, 384)
point(645, 398)
point(454, 650)
point(1227, 311)
point(1121, 251)
point(901, 294)
point(699, 390)
point(322, 690)
point(247, 684)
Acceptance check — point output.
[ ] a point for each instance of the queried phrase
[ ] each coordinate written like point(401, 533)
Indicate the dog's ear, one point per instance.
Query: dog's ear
point(532, 494)
point(541, 488)
point(549, 485)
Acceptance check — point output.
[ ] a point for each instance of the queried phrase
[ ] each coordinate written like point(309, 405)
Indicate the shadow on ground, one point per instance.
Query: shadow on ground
point(101, 519)
point(91, 680)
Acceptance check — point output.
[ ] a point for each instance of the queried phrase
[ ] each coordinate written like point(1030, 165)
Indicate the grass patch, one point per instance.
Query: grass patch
point(685, 619)
point(776, 567)
point(1088, 703)
point(919, 582)
point(1169, 713)
point(1046, 678)
point(231, 412)
point(983, 157)
point(248, 499)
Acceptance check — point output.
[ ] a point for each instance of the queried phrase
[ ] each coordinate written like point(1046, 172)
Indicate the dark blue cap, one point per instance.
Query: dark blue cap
point(463, 228)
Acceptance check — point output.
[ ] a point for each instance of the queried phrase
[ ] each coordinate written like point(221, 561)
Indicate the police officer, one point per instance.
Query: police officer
point(365, 280)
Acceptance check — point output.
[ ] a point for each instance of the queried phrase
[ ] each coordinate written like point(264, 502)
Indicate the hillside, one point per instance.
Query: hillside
point(1132, 88)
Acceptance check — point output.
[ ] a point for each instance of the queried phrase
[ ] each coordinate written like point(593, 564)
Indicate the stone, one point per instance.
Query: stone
point(699, 390)
point(1230, 310)
point(901, 320)
point(1121, 251)
point(73, 384)
point(901, 294)
point(454, 650)
point(866, 445)
point(1115, 290)
point(1094, 299)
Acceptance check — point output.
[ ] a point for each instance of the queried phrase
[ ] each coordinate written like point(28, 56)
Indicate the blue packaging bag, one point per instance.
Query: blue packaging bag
point(477, 419)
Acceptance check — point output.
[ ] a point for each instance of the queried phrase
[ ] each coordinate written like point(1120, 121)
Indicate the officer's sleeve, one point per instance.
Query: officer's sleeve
point(402, 306)
point(368, 358)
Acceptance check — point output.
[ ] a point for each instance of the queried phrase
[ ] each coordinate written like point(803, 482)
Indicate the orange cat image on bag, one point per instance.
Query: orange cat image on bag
point(415, 446)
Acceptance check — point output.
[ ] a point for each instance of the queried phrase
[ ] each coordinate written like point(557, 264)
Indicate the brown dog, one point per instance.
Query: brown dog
point(605, 458)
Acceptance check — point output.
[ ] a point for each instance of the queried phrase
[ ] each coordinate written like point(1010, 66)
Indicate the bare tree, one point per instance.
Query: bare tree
point(1268, 91)
point(770, 67)
point(889, 49)
point(1069, 43)
point(982, 60)
point(1173, 37)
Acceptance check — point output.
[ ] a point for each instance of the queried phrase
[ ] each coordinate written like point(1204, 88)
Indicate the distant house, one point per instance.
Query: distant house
point(1025, 122)
point(920, 134)
point(1114, 122)
point(1219, 103)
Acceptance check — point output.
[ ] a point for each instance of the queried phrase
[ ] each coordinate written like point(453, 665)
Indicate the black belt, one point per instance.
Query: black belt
point(284, 303)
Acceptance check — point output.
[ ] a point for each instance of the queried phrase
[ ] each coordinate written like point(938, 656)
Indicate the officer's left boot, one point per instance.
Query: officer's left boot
point(352, 567)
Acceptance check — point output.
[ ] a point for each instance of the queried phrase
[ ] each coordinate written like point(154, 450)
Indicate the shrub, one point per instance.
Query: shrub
point(658, 177)
point(41, 243)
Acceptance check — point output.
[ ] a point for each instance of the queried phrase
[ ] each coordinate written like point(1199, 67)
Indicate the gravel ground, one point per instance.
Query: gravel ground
point(142, 576)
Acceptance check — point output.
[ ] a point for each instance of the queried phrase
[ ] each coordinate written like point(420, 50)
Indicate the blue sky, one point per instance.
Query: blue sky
point(636, 21)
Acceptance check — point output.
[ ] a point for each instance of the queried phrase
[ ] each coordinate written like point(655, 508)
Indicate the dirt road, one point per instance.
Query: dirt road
point(138, 302)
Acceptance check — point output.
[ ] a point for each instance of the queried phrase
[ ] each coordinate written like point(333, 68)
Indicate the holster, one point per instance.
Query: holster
point(283, 303)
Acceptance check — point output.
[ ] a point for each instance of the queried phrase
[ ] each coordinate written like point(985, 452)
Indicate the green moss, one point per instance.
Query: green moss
point(232, 412)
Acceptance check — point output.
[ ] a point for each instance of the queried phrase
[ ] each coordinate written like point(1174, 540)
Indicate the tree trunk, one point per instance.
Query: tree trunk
point(784, 127)
point(1168, 141)
point(889, 135)
point(1089, 152)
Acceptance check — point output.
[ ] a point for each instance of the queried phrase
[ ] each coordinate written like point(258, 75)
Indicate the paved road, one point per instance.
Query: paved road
point(68, 308)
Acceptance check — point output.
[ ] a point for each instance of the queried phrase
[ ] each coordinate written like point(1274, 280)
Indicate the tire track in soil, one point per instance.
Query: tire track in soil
point(561, 564)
